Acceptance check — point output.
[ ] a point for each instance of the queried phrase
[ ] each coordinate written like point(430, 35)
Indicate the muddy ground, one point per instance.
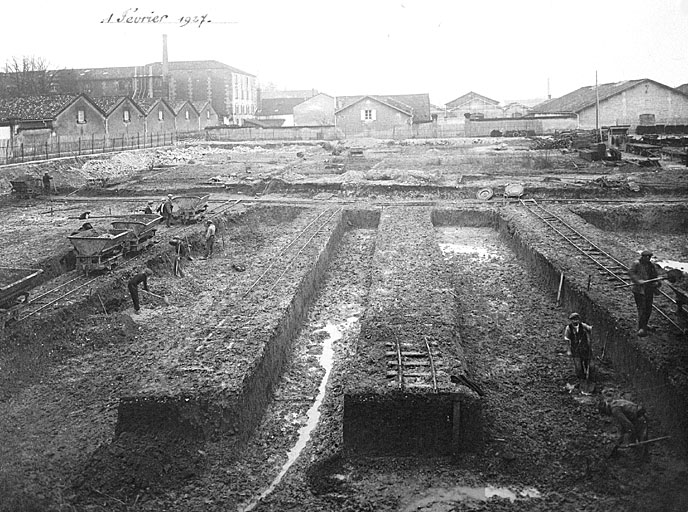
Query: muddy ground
point(546, 448)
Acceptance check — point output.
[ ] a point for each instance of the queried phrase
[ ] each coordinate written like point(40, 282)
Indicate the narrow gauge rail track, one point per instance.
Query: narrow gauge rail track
point(280, 264)
point(56, 293)
point(607, 265)
point(220, 209)
point(412, 364)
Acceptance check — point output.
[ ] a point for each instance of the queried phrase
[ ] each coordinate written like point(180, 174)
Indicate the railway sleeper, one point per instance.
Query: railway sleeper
point(411, 354)
point(395, 374)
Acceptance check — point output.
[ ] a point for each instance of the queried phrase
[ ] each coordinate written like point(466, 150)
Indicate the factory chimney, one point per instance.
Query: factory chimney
point(165, 69)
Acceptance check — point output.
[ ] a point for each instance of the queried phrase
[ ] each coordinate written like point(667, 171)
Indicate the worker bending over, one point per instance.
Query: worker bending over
point(133, 287)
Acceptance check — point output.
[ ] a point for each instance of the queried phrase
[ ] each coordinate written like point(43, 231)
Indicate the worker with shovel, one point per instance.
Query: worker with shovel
point(182, 252)
point(133, 286)
point(578, 336)
point(631, 422)
point(646, 283)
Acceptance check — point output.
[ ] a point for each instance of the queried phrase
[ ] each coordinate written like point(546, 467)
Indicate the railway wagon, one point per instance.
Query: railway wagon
point(100, 251)
point(27, 187)
point(15, 284)
point(142, 227)
point(188, 209)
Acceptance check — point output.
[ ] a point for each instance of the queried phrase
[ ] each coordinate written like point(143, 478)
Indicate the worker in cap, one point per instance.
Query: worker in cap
point(182, 252)
point(578, 336)
point(644, 275)
point(149, 208)
point(167, 208)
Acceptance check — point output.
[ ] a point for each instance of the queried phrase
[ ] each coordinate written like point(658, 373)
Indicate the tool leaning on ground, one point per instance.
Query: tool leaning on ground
point(161, 297)
point(462, 379)
point(587, 386)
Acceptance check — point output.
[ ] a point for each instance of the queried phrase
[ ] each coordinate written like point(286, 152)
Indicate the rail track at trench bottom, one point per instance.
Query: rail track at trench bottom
point(604, 263)
point(412, 362)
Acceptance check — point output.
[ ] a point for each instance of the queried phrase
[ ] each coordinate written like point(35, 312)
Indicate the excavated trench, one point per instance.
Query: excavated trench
point(652, 382)
point(239, 411)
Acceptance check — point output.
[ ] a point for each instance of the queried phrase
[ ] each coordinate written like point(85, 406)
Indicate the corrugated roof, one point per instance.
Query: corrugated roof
point(179, 104)
point(586, 96)
point(196, 65)
point(108, 103)
point(420, 103)
point(294, 93)
point(35, 107)
point(147, 104)
point(200, 105)
point(115, 73)
point(278, 106)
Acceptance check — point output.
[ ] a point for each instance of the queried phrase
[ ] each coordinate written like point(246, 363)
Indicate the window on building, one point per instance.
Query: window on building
point(207, 114)
point(186, 114)
point(81, 116)
point(368, 114)
point(160, 115)
point(126, 115)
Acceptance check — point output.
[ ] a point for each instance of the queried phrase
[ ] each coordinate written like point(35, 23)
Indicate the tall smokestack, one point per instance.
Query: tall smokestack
point(165, 62)
point(165, 69)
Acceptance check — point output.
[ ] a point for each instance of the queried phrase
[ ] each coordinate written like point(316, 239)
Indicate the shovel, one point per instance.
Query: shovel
point(661, 278)
point(633, 445)
point(164, 299)
point(587, 386)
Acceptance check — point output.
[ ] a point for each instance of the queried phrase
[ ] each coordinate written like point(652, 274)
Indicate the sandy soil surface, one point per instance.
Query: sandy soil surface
point(547, 447)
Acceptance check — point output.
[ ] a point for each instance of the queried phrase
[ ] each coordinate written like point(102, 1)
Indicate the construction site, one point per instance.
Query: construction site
point(379, 327)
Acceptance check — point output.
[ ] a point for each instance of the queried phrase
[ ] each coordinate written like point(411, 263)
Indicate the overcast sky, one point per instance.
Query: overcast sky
point(503, 49)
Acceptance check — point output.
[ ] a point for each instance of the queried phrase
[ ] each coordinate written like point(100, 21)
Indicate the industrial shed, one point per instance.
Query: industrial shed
point(630, 102)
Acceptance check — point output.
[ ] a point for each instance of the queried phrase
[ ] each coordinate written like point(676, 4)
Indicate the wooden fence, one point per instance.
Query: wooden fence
point(416, 131)
point(63, 146)
point(286, 133)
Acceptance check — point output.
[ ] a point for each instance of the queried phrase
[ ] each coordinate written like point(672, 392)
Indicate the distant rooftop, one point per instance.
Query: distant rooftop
point(32, 108)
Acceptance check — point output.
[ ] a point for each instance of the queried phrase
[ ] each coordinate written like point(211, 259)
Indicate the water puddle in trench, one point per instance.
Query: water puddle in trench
point(461, 493)
point(326, 360)
point(453, 249)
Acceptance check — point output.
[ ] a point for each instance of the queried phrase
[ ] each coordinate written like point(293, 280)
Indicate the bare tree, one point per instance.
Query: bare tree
point(26, 76)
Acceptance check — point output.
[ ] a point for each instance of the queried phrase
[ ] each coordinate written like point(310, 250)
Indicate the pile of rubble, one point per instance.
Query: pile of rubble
point(565, 140)
point(117, 166)
point(181, 155)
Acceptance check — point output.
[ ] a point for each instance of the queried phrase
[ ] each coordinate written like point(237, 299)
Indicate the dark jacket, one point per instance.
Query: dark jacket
point(641, 271)
point(135, 281)
point(579, 342)
point(626, 413)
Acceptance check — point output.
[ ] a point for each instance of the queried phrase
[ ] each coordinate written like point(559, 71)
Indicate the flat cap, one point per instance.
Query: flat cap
point(574, 316)
point(646, 252)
